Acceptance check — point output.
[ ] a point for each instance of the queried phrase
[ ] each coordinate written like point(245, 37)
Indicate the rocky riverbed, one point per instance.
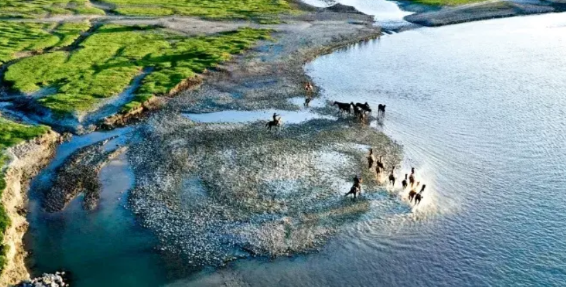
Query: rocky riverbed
point(214, 192)
point(46, 280)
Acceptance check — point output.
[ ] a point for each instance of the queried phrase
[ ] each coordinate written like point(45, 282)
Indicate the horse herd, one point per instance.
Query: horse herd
point(362, 112)
point(356, 188)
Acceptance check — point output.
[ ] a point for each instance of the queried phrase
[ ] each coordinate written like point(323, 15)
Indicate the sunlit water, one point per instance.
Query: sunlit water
point(480, 110)
point(386, 13)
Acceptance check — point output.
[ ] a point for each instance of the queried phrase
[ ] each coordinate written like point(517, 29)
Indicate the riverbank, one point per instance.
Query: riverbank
point(325, 31)
point(25, 161)
point(434, 16)
point(270, 76)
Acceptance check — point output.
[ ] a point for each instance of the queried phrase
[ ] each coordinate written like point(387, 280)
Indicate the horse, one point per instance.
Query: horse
point(308, 87)
point(392, 176)
point(353, 190)
point(307, 102)
point(380, 109)
point(364, 107)
point(343, 107)
point(418, 196)
point(356, 187)
point(412, 176)
point(380, 163)
point(413, 192)
point(371, 158)
point(276, 122)
point(404, 182)
point(360, 115)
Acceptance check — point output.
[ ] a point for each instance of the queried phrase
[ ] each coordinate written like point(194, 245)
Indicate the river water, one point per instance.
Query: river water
point(479, 109)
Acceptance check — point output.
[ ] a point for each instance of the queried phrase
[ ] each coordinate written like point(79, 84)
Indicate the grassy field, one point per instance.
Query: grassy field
point(41, 8)
point(18, 37)
point(11, 133)
point(106, 63)
point(215, 9)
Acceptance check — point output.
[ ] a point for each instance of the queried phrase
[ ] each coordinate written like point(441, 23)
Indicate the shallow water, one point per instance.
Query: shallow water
point(105, 244)
point(479, 108)
point(231, 116)
point(386, 13)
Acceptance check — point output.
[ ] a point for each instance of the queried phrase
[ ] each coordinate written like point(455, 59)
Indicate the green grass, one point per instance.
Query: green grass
point(18, 37)
point(69, 32)
point(214, 9)
point(136, 102)
point(41, 8)
point(11, 133)
point(106, 63)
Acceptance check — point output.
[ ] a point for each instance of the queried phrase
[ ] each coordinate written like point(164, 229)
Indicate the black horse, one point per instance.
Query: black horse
point(380, 110)
point(276, 122)
point(356, 187)
point(404, 183)
point(419, 196)
point(364, 107)
point(343, 107)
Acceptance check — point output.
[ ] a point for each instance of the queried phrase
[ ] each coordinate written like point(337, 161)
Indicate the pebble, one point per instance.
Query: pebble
point(46, 280)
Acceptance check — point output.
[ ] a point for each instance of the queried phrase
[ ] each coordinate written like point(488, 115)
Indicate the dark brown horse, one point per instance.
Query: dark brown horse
point(371, 158)
point(380, 163)
point(413, 192)
point(392, 176)
point(419, 195)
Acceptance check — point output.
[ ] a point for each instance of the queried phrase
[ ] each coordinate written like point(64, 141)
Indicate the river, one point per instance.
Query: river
point(479, 109)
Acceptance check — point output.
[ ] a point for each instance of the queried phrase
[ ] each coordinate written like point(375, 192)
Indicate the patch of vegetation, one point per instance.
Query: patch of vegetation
point(136, 102)
point(106, 63)
point(11, 133)
point(41, 8)
point(69, 32)
point(213, 9)
point(446, 2)
point(16, 37)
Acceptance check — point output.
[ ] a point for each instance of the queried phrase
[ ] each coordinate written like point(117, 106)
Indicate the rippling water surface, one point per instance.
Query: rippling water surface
point(480, 109)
